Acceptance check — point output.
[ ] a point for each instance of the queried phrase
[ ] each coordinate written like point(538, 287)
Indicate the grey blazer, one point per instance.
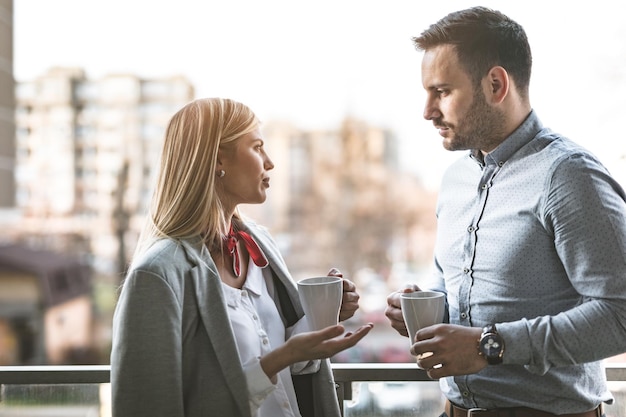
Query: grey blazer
point(173, 352)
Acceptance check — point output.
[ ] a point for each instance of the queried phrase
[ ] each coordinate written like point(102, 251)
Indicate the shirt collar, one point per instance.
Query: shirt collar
point(254, 279)
point(525, 133)
point(253, 286)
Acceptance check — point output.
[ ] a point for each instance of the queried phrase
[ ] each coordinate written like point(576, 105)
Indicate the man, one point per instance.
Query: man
point(531, 240)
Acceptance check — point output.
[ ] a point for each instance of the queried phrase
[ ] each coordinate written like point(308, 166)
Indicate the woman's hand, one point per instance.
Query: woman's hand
point(350, 299)
point(320, 344)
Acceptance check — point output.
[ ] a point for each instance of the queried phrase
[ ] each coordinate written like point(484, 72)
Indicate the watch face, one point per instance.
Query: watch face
point(491, 346)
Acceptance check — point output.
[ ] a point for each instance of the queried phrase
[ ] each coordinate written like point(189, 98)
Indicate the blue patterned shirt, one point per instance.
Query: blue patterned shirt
point(533, 239)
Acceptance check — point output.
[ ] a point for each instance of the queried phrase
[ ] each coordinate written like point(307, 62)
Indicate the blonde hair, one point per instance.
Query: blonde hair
point(185, 203)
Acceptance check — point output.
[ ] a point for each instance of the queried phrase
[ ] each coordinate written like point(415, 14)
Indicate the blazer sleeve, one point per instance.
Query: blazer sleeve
point(146, 351)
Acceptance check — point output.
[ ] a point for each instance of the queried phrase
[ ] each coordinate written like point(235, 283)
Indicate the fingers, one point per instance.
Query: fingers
point(410, 288)
point(350, 339)
point(393, 299)
point(347, 313)
point(448, 350)
point(348, 286)
point(328, 333)
point(393, 312)
point(334, 272)
point(349, 300)
point(325, 343)
point(394, 315)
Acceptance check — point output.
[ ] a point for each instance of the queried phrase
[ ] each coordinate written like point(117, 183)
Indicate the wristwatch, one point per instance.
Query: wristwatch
point(491, 345)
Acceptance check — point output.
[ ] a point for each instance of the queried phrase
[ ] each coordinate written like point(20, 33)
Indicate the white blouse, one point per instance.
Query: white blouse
point(258, 329)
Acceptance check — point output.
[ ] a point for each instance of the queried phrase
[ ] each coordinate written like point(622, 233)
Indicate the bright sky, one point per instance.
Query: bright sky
point(314, 62)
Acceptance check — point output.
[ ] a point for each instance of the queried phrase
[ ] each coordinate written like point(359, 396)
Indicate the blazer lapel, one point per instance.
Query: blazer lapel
point(279, 267)
point(212, 310)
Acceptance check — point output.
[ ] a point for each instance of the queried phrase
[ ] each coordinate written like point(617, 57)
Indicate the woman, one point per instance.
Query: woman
point(209, 322)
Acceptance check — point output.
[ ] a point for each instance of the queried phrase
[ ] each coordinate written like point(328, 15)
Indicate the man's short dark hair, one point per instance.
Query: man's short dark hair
point(483, 38)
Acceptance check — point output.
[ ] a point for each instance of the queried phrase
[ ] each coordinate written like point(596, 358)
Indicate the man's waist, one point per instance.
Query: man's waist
point(455, 411)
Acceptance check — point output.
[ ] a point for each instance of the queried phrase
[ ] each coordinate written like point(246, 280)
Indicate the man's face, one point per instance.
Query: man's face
point(459, 111)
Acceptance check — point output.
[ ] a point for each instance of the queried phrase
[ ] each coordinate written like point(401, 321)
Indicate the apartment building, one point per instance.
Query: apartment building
point(85, 152)
point(339, 198)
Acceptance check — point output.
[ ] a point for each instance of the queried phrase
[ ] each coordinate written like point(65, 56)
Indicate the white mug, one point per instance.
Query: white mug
point(321, 300)
point(422, 309)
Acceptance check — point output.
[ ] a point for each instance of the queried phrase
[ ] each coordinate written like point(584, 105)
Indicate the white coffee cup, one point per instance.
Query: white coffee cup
point(422, 309)
point(321, 300)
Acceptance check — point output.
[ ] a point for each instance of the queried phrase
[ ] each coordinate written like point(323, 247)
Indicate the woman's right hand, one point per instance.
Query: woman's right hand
point(320, 344)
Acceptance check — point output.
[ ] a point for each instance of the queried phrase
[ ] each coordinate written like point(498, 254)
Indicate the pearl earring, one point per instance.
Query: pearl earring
point(221, 173)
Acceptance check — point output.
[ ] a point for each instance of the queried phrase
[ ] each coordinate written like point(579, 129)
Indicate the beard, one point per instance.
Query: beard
point(481, 128)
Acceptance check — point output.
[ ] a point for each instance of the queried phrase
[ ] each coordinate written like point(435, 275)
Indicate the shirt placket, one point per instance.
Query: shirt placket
point(266, 347)
point(469, 254)
point(469, 249)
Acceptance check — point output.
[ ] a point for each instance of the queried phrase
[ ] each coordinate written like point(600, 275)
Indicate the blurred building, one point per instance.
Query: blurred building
point(338, 198)
point(7, 106)
point(45, 308)
point(85, 154)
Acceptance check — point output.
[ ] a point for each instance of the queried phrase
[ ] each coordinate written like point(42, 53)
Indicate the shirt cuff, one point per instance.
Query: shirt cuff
point(259, 385)
point(518, 347)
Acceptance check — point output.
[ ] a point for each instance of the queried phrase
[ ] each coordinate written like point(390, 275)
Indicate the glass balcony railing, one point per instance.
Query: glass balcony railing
point(364, 389)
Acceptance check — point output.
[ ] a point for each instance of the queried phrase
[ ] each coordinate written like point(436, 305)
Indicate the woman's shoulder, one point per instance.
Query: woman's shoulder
point(164, 257)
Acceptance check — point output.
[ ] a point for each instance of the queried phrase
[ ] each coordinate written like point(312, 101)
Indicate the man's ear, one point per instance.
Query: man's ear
point(499, 84)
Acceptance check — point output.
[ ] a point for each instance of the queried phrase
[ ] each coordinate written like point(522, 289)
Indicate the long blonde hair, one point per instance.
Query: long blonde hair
point(185, 203)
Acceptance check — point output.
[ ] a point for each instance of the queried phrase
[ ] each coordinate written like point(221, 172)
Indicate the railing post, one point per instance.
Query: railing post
point(344, 393)
point(340, 396)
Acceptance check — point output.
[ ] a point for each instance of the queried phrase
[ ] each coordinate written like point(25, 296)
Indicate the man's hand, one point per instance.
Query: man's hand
point(454, 350)
point(394, 309)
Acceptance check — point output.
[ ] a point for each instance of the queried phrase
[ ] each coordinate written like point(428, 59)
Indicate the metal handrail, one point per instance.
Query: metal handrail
point(344, 372)
point(52, 374)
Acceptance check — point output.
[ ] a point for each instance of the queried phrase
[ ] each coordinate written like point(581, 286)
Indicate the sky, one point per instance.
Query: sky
point(314, 63)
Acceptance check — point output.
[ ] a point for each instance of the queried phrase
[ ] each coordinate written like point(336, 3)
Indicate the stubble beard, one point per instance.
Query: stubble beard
point(482, 128)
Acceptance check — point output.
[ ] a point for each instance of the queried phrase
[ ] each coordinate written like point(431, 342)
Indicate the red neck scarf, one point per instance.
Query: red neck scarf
point(230, 244)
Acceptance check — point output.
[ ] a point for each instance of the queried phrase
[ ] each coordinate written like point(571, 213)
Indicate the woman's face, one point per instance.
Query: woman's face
point(246, 168)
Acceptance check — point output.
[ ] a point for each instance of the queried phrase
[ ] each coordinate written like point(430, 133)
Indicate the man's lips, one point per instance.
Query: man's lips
point(442, 129)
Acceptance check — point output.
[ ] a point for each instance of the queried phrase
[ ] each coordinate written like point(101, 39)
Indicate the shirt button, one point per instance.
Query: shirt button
point(265, 341)
point(471, 229)
point(465, 394)
point(484, 186)
point(244, 293)
point(500, 163)
point(463, 315)
point(255, 317)
point(466, 270)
